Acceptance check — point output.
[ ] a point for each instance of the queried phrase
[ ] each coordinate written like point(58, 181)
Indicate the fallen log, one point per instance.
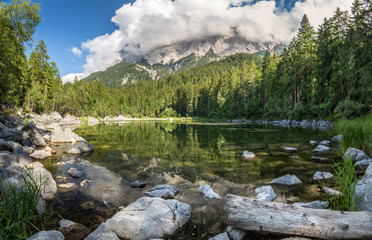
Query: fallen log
point(278, 218)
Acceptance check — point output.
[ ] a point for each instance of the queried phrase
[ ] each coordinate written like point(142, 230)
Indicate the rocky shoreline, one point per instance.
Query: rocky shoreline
point(157, 216)
point(287, 123)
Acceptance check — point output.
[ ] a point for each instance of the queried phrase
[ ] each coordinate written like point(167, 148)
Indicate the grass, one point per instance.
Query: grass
point(18, 215)
point(356, 133)
point(346, 181)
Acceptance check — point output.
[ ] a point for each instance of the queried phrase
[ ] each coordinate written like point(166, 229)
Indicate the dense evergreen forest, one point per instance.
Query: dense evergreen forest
point(323, 73)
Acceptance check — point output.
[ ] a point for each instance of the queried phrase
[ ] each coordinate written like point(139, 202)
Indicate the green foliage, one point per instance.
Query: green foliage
point(18, 216)
point(356, 133)
point(168, 112)
point(346, 180)
point(348, 108)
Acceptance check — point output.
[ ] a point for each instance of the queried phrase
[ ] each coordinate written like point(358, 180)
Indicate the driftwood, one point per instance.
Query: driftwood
point(278, 218)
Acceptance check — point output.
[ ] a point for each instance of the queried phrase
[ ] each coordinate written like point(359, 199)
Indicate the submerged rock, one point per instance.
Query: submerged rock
point(137, 184)
point(314, 205)
point(163, 191)
point(355, 154)
point(325, 143)
point(265, 193)
point(322, 176)
point(319, 159)
point(248, 155)
point(48, 235)
point(73, 230)
point(290, 149)
point(147, 218)
point(288, 180)
point(331, 192)
point(235, 234)
point(74, 172)
point(321, 149)
point(83, 147)
point(207, 192)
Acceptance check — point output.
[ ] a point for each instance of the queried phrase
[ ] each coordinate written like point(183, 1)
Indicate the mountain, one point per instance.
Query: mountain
point(177, 58)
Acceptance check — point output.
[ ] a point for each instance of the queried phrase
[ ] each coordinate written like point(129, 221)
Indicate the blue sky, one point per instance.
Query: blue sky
point(86, 26)
point(67, 23)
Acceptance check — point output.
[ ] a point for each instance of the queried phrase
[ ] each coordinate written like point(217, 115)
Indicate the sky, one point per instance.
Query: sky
point(85, 36)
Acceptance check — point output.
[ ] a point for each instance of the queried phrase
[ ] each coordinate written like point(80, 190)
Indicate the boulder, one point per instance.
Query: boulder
point(355, 154)
point(288, 180)
point(322, 176)
point(321, 149)
point(364, 190)
point(30, 132)
point(222, 236)
point(74, 172)
point(83, 147)
point(337, 139)
point(290, 149)
point(72, 230)
point(6, 159)
point(21, 158)
point(41, 154)
point(313, 142)
point(265, 193)
point(163, 191)
point(235, 234)
point(363, 164)
point(314, 205)
point(11, 134)
point(45, 180)
point(103, 232)
point(48, 235)
point(147, 218)
point(69, 120)
point(64, 136)
point(5, 145)
point(92, 121)
point(207, 192)
point(248, 155)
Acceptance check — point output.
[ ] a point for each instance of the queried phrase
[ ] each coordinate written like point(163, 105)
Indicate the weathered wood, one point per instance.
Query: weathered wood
point(278, 218)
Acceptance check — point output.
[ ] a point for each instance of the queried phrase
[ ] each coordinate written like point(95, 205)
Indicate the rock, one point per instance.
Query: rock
point(222, 236)
point(27, 149)
point(313, 142)
point(319, 159)
point(355, 154)
point(207, 192)
point(296, 238)
point(331, 192)
point(92, 121)
point(74, 172)
point(290, 149)
point(11, 134)
point(321, 149)
point(5, 146)
point(41, 154)
point(265, 193)
point(68, 185)
point(363, 164)
point(102, 233)
point(6, 159)
point(314, 205)
point(235, 234)
point(26, 142)
point(85, 183)
point(288, 180)
point(64, 136)
point(325, 143)
point(147, 218)
point(248, 155)
point(46, 182)
point(163, 191)
point(137, 184)
point(69, 120)
point(30, 132)
point(40, 207)
point(21, 158)
point(364, 190)
point(72, 230)
point(48, 235)
point(322, 176)
point(83, 147)
point(337, 139)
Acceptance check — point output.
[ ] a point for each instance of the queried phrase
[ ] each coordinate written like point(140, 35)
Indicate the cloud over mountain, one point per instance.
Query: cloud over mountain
point(148, 24)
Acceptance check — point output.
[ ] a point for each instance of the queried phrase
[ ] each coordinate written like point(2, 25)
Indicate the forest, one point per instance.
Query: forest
point(322, 73)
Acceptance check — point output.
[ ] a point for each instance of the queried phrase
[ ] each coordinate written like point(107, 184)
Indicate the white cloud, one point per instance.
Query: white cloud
point(147, 24)
point(76, 51)
point(71, 77)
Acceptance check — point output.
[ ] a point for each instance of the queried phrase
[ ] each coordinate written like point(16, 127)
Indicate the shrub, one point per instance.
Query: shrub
point(168, 112)
point(348, 109)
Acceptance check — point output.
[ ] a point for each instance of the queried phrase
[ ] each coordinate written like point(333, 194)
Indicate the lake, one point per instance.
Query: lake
point(187, 155)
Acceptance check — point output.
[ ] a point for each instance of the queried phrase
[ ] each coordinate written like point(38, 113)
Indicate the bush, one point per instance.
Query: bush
point(348, 109)
point(168, 112)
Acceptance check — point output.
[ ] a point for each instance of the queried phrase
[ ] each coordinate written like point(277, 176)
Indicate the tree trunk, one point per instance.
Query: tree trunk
point(277, 218)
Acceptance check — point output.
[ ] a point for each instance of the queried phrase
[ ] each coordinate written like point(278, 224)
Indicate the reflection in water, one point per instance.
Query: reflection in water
point(189, 156)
